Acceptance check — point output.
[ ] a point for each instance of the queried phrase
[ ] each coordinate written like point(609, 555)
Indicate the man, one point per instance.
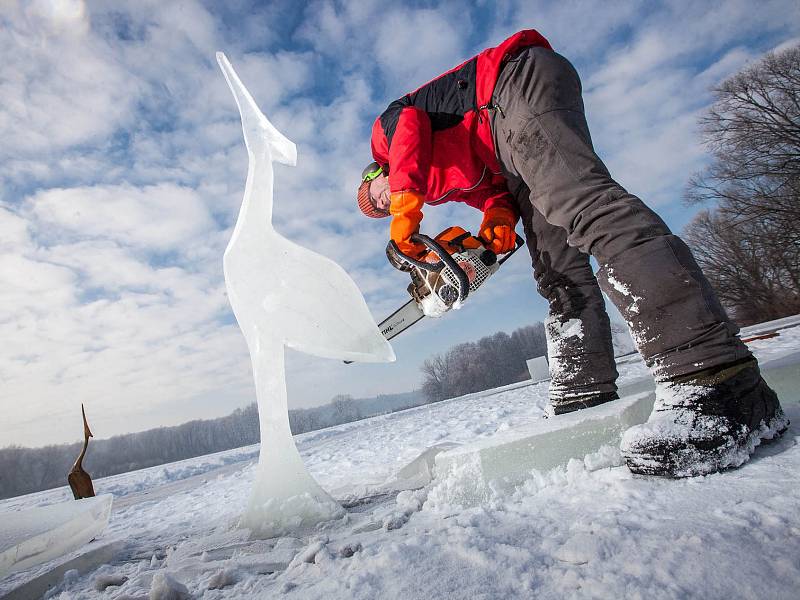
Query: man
point(517, 110)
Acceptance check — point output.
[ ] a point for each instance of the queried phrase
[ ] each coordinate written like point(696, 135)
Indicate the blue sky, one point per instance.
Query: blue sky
point(122, 168)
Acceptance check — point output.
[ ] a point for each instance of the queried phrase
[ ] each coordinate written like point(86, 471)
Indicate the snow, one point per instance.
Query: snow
point(558, 336)
point(625, 290)
point(285, 295)
point(587, 529)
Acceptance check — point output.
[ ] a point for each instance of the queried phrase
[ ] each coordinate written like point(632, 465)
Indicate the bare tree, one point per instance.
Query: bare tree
point(754, 274)
point(433, 384)
point(748, 245)
point(490, 362)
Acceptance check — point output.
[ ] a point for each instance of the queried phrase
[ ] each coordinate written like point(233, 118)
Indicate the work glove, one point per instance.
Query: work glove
point(497, 229)
point(406, 211)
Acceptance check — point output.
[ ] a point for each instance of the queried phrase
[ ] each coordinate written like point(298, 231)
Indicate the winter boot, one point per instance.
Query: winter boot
point(560, 406)
point(705, 422)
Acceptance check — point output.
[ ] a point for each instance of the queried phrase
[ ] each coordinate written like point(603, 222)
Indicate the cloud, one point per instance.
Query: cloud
point(61, 86)
point(122, 168)
point(159, 218)
point(415, 46)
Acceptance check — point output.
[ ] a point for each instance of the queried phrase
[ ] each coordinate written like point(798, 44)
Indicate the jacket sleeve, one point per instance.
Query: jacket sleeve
point(495, 194)
point(499, 198)
point(402, 138)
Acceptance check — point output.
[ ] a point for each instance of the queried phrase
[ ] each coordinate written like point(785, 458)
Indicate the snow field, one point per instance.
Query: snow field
point(590, 530)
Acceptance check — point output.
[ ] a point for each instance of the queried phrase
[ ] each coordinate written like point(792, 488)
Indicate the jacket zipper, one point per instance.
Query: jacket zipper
point(441, 198)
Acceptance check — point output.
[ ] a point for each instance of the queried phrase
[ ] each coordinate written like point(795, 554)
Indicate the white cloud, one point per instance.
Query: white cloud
point(122, 168)
point(61, 86)
point(13, 231)
point(413, 46)
point(159, 217)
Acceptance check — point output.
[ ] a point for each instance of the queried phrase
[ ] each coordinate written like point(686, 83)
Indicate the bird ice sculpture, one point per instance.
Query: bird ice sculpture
point(285, 295)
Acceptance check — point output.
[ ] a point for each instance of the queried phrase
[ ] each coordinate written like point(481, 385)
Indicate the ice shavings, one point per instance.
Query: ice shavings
point(561, 335)
point(639, 331)
point(285, 295)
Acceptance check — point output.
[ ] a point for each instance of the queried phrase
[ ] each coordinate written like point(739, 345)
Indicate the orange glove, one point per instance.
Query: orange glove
point(406, 211)
point(497, 229)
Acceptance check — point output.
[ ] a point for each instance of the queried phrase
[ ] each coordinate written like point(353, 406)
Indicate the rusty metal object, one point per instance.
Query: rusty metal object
point(79, 480)
point(763, 336)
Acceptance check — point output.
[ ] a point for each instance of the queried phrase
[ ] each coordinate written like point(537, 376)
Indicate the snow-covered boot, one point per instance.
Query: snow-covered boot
point(560, 406)
point(705, 422)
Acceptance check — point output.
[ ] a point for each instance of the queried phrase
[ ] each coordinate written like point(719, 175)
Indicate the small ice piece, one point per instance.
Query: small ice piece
point(285, 295)
point(35, 535)
point(539, 369)
point(166, 587)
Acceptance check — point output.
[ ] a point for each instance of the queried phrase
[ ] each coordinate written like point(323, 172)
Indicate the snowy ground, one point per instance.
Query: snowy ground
point(593, 531)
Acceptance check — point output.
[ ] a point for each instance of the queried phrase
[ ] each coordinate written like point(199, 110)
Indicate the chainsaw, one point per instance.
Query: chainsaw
point(454, 266)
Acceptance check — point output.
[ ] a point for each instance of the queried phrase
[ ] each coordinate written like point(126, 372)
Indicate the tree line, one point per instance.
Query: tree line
point(490, 362)
point(748, 243)
point(27, 470)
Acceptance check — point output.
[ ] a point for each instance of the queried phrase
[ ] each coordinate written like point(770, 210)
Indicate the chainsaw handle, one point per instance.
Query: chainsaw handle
point(518, 243)
point(444, 260)
point(403, 262)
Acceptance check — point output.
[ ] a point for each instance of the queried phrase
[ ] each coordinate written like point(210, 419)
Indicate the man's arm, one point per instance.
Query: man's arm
point(402, 138)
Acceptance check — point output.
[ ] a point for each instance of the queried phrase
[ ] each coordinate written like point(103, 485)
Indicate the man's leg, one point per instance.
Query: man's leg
point(579, 346)
point(543, 139)
point(678, 324)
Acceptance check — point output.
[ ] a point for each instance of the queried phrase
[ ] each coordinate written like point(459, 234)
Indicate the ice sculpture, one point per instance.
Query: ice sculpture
point(285, 295)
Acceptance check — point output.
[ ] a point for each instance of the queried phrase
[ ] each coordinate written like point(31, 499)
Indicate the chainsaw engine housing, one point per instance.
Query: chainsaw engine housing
point(439, 288)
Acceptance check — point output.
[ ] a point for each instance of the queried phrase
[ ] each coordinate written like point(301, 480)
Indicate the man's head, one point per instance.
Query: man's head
point(373, 193)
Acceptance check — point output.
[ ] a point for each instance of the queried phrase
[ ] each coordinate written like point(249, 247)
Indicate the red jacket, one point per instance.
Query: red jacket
point(437, 139)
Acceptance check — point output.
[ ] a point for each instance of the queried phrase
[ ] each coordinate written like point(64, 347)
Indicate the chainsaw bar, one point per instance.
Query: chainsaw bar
point(401, 319)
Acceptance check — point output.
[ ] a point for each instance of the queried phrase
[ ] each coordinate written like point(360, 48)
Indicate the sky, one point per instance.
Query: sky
point(122, 167)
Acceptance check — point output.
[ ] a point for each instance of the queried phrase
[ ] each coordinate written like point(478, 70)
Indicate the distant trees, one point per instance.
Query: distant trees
point(27, 470)
point(490, 362)
point(749, 244)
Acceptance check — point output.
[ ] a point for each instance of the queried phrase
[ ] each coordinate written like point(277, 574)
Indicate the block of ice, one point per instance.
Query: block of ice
point(285, 295)
point(35, 535)
point(507, 459)
point(539, 369)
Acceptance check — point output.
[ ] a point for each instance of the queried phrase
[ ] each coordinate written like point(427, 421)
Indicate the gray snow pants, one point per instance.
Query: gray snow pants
point(571, 208)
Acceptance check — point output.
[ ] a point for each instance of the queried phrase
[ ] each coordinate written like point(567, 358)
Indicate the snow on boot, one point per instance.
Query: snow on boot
point(705, 422)
point(560, 406)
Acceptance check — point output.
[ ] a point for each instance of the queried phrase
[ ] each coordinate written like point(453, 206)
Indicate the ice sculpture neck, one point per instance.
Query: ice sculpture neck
point(285, 295)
